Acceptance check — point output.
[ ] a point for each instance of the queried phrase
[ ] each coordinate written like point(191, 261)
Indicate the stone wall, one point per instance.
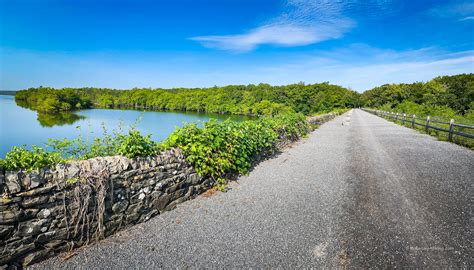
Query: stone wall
point(49, 211)
point(320, 119)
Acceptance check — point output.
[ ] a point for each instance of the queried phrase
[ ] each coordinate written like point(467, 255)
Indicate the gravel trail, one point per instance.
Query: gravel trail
point(358, 192)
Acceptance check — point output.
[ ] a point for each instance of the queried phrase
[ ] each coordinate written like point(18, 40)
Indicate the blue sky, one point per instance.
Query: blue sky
point(184, 43)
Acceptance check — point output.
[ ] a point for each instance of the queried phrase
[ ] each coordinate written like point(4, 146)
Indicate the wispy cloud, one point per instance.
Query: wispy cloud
point(468, 18)
point(374, 66)
point(463, 10)
point(300, 23)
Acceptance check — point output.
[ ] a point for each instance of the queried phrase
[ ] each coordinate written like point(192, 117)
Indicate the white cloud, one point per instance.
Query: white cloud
point(468, 18)
point(373, 67)
point(463, 10)
point(280, 34)
point(300, 23)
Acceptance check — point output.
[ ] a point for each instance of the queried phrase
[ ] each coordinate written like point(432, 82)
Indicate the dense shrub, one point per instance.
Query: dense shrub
point(130, 145)
point(22, 158)
point(134, 144)
point(219, 148)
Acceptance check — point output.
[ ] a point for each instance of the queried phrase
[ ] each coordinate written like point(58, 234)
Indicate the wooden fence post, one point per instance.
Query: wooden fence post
point(396, 117)
point(427, 127)
point(451, 129)
point(404, 118)
point(413, 121)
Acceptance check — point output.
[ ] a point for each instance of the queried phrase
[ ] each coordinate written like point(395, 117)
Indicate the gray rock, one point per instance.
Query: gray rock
point(34, 257)
point(29, 202)
point(149, 215)
point(24, 248)
point(60, 172)
point(129, 174)
point(134, 164)
point(156, 194)
point(5, 201)
point(193, 179)
point(2, 180)
point(62, 223)
point(30, 227)
point(37, 191)
point(45, 237)
point(113, 164)
point(5, 230)
point(162, 201)
point(12, 182)
point(134, 208)
point(96, 166)
point(72, 170)
point(30, 213)
point(44, 213)
point(120, 206)
point(32, 179)
point(48, 175)
point(54, 243)
point(37, 179)
point(179, 200)
point(10, 215)
point(125, 163)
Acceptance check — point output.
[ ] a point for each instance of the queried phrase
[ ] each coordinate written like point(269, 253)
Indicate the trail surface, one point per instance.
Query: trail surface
point(359, 192)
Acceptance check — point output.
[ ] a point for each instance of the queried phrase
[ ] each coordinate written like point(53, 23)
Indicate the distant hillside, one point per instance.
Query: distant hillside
point(7, 92)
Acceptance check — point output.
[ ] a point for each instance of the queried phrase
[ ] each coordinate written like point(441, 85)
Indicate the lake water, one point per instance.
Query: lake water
point(19, 126)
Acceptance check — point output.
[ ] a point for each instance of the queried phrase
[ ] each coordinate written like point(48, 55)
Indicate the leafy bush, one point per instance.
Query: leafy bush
point(134, 144)
point(218, 148)
point(130, 145)
point(22, 158)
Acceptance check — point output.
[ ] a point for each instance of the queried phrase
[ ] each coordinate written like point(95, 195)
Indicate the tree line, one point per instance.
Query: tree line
point(445, 95)
point(454, 93)
point(262, 99)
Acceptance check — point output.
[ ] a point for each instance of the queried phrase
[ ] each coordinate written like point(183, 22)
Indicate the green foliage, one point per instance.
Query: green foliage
point(219, 148)
point(130, 145)
point(50, 100)
point(22, 158)
point(262, 99)
point(442, 93)
point(134, 144)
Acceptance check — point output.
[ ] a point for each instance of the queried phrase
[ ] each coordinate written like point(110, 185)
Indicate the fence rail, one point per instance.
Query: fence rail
point(426, 123)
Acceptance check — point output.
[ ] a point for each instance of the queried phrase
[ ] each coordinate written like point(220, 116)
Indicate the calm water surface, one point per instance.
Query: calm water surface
point(19, 126)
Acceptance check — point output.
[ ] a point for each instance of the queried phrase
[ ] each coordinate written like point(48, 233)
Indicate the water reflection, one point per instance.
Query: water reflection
point(58, 119)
